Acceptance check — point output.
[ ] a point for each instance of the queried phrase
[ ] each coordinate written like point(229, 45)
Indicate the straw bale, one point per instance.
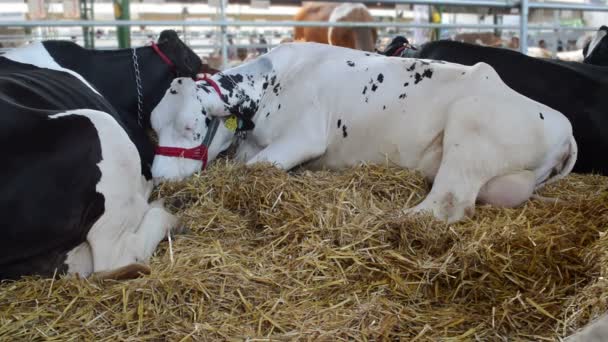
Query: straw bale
point(325, 256)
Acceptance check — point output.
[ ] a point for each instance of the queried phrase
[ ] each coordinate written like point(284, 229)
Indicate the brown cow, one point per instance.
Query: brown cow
point(480, 38)
point(361, 38)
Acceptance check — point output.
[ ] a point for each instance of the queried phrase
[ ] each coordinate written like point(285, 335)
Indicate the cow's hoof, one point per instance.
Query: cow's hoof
point(130, 271)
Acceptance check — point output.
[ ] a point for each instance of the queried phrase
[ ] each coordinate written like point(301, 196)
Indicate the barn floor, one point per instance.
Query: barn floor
point(321, 256)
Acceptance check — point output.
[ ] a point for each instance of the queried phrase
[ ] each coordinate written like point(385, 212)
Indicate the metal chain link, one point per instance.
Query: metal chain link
point(140, 97)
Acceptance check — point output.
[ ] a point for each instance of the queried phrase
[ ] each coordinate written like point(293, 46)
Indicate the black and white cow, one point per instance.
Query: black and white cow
point(333, 107)
point(74, 197)
point(577, 90)
point(596, 52)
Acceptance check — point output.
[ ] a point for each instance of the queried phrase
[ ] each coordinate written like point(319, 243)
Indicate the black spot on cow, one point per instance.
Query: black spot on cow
point(371, 80)
point(276, 89)
point(173, 91)
point(207, 121)
point(230, 82)
point(367, 54)
point(383, 107)
point(366, 69)
point(273, 80)
point(428, 73)
point(204, 87)
point(463, 73)
point(364, 90)
point(339, 123)
point(374, 87)
point(402, 96)
point(265, 85)
point(197, 136)
point(486, 77)
point(179, 81)
point(268, 114)
point(412, 67)
point(406, 84)
point(380, 78)
point(350, 63)
point(366, 99)
point(279, 107)
point(541, 116)
point(344, 133)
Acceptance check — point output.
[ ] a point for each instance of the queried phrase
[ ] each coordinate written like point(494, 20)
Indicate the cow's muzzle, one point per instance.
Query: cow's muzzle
point(200, 152)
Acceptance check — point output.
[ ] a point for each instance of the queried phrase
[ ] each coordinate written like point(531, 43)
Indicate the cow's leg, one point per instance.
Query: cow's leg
point(303, 141)
point(596, 331)
point(129, 228)
point(80, 260)
point(475, 150)
point(510, 190)
point(155, 225)
point(289, 153)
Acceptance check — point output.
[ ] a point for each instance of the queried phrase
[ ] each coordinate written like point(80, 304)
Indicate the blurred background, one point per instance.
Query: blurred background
point(225, 33)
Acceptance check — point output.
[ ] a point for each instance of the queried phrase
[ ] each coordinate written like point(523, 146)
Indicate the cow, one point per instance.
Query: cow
point(577, 90)
point(596, 51)
point(360, 38)
point(76, 177)
point(322, 106)
point(480, 38)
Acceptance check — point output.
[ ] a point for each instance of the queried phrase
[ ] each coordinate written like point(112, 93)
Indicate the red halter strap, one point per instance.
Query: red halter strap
point(199, 152)
point(162, 55)
point(398, 51)
point(212, 83)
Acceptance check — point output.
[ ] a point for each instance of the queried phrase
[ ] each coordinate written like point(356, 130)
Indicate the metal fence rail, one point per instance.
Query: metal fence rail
point(523, 6)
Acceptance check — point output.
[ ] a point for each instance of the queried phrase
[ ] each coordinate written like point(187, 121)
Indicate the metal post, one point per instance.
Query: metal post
point(523, 30)
point(123, 33)
point(86, 13)
point(223, 4)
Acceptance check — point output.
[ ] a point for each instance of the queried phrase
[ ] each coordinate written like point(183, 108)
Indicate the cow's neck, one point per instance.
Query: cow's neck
point(112, 73)
point(243, 91)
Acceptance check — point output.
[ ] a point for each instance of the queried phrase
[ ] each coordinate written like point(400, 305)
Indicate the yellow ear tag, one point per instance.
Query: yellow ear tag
point(231, 123)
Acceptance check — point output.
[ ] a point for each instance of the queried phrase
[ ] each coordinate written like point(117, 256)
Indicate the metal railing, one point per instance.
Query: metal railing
point(223, 23)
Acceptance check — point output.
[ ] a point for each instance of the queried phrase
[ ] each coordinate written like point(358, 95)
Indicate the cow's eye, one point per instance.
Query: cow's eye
point(188, 128)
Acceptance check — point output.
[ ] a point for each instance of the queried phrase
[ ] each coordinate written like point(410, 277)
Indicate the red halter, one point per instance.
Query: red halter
point(201, 151)
point(162, 55)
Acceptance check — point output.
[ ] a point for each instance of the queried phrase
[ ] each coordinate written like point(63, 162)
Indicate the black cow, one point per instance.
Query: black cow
point(577, 90)
point(74, 198)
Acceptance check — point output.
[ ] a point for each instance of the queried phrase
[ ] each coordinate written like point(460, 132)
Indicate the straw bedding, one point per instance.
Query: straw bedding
point(322, 256)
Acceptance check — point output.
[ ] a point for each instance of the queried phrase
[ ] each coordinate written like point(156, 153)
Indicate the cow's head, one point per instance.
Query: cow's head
point(186, 62)
point(398, 47)
point(188, 137)
point(596, 51)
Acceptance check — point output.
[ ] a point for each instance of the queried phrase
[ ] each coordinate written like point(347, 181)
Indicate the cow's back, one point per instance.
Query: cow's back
point(41, 89)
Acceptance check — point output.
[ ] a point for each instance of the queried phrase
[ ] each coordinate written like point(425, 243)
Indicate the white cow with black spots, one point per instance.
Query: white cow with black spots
point(333, 107)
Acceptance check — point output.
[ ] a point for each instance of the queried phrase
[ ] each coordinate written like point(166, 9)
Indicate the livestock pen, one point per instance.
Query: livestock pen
point(326, 256)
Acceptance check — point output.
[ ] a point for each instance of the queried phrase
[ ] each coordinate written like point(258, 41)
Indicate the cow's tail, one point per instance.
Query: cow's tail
point(564, 168)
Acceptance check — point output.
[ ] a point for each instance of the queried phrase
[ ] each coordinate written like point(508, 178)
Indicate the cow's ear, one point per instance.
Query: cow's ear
point(187, 63)
point(168, 36)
